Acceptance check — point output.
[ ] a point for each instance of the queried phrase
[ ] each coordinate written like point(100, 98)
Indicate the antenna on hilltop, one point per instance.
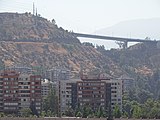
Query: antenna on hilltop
point(33, 9)
point(36, 11)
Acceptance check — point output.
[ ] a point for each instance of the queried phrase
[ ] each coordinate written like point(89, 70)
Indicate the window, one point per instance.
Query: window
point(6, 87)
point(5, 78)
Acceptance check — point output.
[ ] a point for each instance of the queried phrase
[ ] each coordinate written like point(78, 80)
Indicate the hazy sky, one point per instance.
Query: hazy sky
point(86, 16)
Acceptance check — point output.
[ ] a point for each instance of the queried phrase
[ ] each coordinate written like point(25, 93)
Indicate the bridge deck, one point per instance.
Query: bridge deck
point(112, 38)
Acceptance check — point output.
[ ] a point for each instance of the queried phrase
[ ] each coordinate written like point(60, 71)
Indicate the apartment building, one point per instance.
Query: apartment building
point(19, 91)
point(93, 92)
point(46, 85)
point(35, 92)
point(10, 92)
point(66, 90)
point(24, 90)
point(116, 93)
point(56, 74)
point(96, 92)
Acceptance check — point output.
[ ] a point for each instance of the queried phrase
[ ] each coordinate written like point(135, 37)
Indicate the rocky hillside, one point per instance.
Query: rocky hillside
point(50, 55)
point(28, 40)
point(27, 27)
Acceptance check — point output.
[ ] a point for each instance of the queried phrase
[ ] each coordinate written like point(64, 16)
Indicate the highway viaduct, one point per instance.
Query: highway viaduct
point(122, 42)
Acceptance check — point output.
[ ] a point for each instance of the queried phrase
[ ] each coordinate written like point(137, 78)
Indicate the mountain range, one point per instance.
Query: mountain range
point(139, 28)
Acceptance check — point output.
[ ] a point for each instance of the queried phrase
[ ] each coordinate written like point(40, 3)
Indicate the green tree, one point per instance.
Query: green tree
point(69, 112)
point(26, 112)
point(43, 113)
point(33, 108)
point(127, 109)
point(100, 112)
point(51, 102)
point(137, 111)
point(79, 114)
point(2, 114)
point(117, 112)
point(86, 111)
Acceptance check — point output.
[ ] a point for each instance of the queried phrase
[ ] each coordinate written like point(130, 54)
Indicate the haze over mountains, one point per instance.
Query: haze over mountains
point(140, 28)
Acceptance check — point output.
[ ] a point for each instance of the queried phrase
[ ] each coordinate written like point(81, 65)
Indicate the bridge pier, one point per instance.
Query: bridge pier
point(125, 44)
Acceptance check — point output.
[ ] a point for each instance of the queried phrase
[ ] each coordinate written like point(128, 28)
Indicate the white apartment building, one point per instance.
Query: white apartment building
point(116, 93)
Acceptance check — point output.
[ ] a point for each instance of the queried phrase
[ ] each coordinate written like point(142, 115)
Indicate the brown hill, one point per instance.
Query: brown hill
point(49, 55)
point(29, 40)
point(27, 27)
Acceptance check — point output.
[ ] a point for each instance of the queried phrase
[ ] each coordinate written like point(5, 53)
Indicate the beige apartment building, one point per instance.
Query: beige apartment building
point(92, 92)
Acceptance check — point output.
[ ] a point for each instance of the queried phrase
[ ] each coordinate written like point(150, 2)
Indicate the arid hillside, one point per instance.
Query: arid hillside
point(28, 40)
point(50, 55)
point(27, 27)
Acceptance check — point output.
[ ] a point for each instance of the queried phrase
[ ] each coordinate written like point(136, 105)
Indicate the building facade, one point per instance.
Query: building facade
point(93, 92)
point(56, 74)
point(66, 90)
point(116, 93)
point(19, 91)
point(96, 92)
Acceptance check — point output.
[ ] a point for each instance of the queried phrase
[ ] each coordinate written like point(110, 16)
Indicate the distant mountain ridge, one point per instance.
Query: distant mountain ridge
point(140, 28)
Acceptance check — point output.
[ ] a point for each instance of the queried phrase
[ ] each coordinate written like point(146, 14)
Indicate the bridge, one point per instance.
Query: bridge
point(122, 42)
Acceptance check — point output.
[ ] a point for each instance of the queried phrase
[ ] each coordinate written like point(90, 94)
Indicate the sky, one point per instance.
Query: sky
point(86, 16)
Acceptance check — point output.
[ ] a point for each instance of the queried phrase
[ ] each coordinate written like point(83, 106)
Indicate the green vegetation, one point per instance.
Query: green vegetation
point(150, 109)
point(26, 112)
point(50, 104)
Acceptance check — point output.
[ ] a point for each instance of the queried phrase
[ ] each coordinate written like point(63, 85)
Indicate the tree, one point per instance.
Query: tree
point(79, 114)
point(86, 111)
point(69, 112)
point(2, 114)
point(88, 44)
point(51, 102)
point(53, 22)
point(33, 108)
point(117, 112)
point(25, 112)
point(100, 112)
point(100, 48)
point(127, 108)
point(137, 111)
point(43, 113)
